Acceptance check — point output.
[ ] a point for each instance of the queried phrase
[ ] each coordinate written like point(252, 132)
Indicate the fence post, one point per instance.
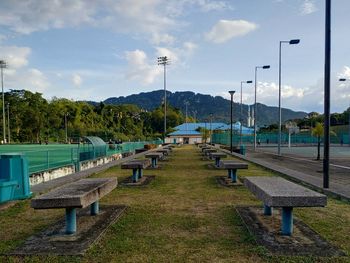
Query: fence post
point(47, 160)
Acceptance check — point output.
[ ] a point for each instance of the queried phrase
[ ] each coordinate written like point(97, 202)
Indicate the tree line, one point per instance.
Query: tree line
point(34, 119)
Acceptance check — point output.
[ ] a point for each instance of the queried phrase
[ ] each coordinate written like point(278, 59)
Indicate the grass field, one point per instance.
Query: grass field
point(182, 216)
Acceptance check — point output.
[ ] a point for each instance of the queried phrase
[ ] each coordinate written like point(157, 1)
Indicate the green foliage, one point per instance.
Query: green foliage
point(34, 119)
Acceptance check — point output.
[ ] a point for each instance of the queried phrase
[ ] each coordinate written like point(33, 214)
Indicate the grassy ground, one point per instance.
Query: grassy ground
point(182, 216)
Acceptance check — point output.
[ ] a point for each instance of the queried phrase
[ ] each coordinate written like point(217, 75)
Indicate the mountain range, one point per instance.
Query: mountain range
point(201, 106)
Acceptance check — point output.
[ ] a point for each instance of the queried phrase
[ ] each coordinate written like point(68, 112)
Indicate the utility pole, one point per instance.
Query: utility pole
point(164, 61)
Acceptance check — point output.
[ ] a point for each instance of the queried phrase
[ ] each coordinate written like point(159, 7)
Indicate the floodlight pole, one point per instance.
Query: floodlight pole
point(256, 106)
point(2, 66)
point(291, 42)
point(241, 114)
point(65, 125)
point(327, 95)
point(231, 92)
point(164, 61)
point(8, 122)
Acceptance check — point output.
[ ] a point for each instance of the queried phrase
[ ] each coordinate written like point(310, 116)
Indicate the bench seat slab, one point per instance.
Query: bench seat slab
point(78, 194)
point(279, 192)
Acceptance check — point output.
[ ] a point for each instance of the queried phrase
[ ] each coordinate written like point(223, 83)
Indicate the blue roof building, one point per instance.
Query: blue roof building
point(188, 132)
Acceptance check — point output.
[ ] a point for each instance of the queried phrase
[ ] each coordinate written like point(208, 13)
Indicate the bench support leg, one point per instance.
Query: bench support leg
point(287, 221)
point(154, 162)
point(267, 210)
point(140, 173)
point(94, 208)
point(71, 220)
point(217, 162)
point(232, 173)
point(134, 175)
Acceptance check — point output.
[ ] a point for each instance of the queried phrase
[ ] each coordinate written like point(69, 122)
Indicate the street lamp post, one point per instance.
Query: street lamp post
point(211, 121)
point(349, 112)
point(327, 93)
point(290, 42)
point(164, 61)
point(231, 93)
point(2, 66)
point(241, 114)
point(256, 107)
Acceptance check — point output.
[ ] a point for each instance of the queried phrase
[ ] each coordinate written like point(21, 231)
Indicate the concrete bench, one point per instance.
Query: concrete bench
point(75, 195)
point(154, 156)
point(205, 148)
point(207, 152)
point(232, 167)
point(137, 167)
point(217, 156)
point(168, 148)
point(163, 151)
point(278, 192)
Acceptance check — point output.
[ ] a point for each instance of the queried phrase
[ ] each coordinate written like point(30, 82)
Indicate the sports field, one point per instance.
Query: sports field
point(336, 152)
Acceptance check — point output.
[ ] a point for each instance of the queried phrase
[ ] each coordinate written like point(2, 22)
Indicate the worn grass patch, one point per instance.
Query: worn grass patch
point(181, 216)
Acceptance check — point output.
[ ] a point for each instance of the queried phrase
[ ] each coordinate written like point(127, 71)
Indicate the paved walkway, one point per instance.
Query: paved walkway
point(304, 171)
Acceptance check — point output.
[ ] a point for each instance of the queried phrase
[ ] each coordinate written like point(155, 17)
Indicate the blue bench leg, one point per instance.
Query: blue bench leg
point(94, 208)
point(232, 173)
point(267, 210)
point(71, 220)
point(140, 173)
point(134, 175)
point(154, 162)
point(217, 162)
point(287, 221)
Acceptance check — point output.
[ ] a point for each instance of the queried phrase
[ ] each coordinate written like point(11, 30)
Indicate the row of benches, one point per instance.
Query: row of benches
point(88, 192)
point(272, 191)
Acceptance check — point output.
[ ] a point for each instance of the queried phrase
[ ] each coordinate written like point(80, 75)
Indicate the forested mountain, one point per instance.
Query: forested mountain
point(32, 118)
point(201, 106)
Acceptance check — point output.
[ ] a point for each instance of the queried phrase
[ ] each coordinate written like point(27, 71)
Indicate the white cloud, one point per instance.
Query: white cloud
point(77, 80)
point(224, 30)
point(139, 68)
point(15, 57)
point(308, 7)
point(29, 16)
point(158, 39)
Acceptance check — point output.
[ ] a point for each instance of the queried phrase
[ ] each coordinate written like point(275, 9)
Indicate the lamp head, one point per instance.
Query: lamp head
point(266, 67)
point(232, 92)
point(294, 41)
point(342, 79)
point(249, 81)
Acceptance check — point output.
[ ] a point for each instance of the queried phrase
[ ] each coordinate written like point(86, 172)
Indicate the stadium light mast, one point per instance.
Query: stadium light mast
point(290, 42)
point(342, 79)
point(241, 114)
point(2, 66)
point(8, 122)
point(256, 106)
point(164, 61)
point(231, 93)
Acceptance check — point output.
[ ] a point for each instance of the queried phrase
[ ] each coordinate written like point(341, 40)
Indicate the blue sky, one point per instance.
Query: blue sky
point(96, 49)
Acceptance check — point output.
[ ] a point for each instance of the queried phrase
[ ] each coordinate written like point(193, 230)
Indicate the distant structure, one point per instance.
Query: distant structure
point(188, 133)
point(250, 119)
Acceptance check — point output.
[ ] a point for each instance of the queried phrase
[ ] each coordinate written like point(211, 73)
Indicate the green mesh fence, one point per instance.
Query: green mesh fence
point(46, 157)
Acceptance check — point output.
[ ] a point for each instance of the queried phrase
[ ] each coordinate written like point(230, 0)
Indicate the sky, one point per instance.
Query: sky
point(96, 49)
